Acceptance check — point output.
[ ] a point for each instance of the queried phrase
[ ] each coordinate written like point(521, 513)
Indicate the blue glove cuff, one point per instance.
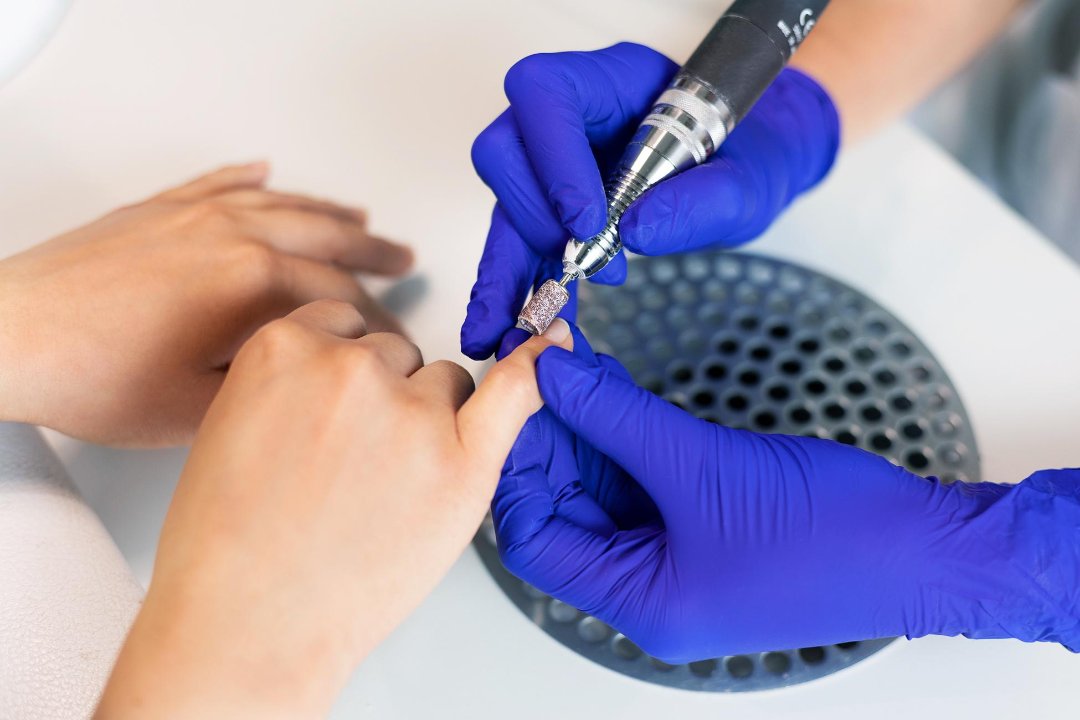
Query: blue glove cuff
point(1012, 568)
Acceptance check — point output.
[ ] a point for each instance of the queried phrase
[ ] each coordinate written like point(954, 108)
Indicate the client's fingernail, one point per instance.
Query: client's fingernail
point(557, 331)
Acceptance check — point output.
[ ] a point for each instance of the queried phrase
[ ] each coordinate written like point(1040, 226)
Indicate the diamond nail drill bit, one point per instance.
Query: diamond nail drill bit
point(711, 93)
point(544, 305)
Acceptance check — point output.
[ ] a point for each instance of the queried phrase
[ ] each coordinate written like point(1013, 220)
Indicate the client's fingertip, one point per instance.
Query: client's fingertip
point(403, 258)
point(390, 258)
point(559, 333)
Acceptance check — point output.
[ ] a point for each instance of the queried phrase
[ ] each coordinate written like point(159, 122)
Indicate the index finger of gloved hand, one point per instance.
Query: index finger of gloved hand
point(322, 236)
point(566, 102)
point(499, 156)
point(230, 177)
point(506, 272)
point(657, 443)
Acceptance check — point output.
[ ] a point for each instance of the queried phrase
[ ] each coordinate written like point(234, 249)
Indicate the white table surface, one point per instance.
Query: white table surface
point(377, 103)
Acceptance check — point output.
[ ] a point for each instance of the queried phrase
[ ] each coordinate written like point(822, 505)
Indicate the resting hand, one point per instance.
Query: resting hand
point(121, 331)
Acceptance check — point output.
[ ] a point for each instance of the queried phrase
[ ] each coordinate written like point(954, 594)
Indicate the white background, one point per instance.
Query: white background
point(377, 104)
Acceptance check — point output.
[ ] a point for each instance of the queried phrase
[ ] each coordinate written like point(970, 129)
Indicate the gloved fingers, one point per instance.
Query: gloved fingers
point(546, 443)
point(614, 491)
point(783, 147)
point(661, 446)
point(547, 550)
point(614, 273)
point(621, 497)
point(501, 161)
point(507, 269)
point(614, 366)
point(715, 204)
point(566, 102)
point(574, 505)
point(545, 103)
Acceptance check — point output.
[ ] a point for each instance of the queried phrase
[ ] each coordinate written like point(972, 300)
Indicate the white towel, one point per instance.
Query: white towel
point(67, 597)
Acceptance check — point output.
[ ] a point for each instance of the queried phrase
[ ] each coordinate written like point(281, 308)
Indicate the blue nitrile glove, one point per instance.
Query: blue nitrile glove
point(570, 117)
point(697, 541)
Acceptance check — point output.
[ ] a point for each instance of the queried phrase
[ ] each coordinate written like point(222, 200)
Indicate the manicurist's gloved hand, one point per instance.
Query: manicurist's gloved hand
point(570, 116)
point(696, 540)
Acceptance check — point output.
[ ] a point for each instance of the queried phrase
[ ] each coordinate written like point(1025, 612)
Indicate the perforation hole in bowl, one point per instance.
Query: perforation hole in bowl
point(815, 386)
point(778, 392)
point(739, 666)
point(624, 648)
point(681, 373)
point(760, 352)
point(764, 420)
point(777, 663)
point(703, 668)
point(748, 377)
point(790, 366)
point(779, 331)
point(715, 370)
point(703, 398)
point(779, 350)
point(856, 386)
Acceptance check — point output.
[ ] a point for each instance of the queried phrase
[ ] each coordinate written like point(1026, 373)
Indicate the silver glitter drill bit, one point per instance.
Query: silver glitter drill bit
point(544, 305)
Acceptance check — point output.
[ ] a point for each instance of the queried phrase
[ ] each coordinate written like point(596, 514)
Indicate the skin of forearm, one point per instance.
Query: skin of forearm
point(14, 341)
point(878, 58)
point(216, 668)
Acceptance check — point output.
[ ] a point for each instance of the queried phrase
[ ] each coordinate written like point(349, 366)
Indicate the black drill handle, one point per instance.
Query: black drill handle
point(749, 46)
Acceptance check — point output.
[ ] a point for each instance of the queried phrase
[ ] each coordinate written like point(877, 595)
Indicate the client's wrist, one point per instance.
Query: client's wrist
point(184, 659)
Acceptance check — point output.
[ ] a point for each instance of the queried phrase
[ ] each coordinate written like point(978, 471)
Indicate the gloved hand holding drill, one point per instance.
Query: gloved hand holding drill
point(569, 119)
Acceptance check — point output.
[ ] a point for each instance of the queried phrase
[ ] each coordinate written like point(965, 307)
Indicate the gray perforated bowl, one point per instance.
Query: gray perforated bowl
point(767, 345)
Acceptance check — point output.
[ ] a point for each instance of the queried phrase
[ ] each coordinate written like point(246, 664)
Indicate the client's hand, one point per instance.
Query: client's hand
point(334, 481)
point(121, 331)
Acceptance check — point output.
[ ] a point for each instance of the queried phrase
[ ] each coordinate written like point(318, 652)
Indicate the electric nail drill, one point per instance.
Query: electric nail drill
point(711, 93)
